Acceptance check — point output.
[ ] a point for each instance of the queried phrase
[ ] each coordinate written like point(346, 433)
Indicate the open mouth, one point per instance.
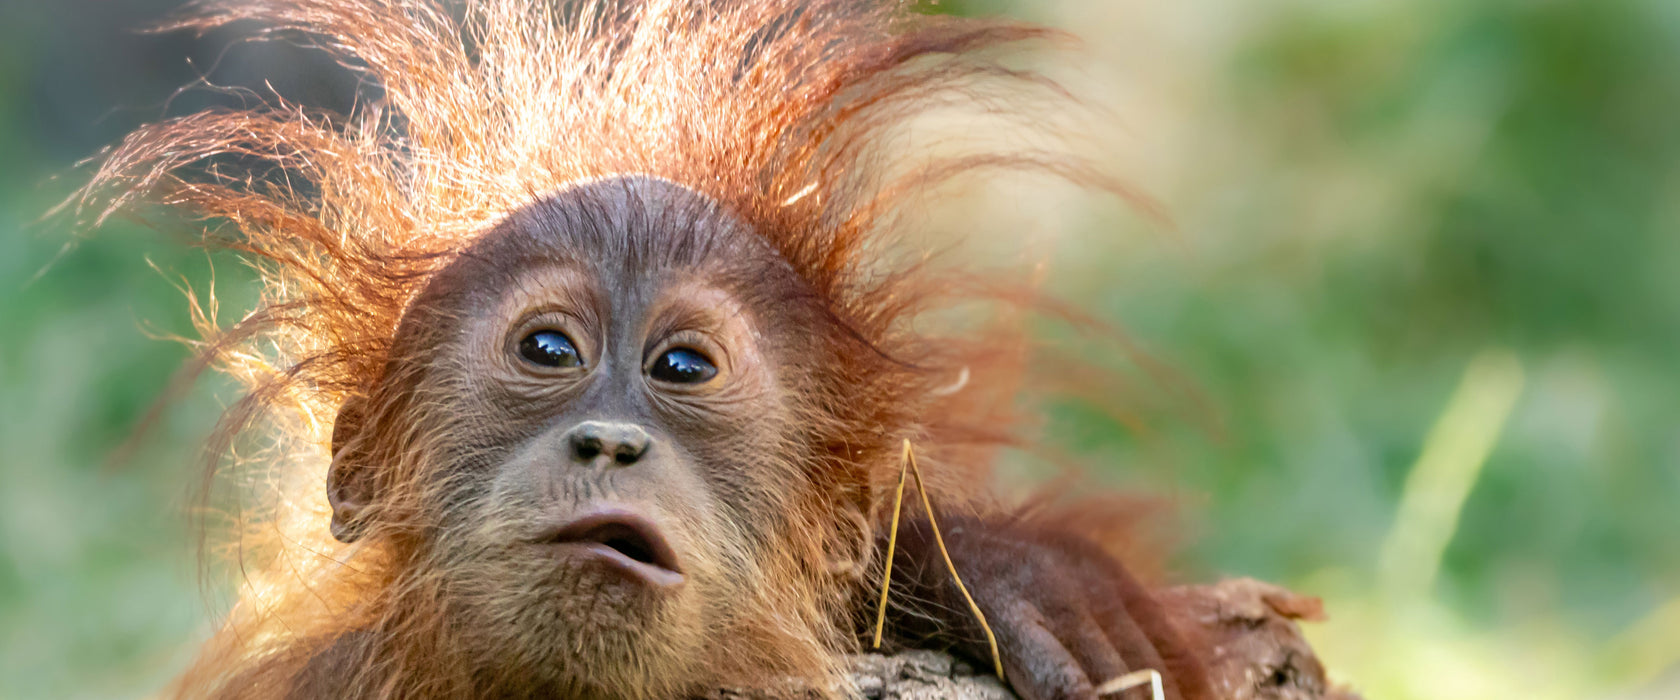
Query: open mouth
point(622, 539)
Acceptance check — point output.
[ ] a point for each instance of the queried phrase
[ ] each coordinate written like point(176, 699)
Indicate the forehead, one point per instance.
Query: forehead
point(624, 233)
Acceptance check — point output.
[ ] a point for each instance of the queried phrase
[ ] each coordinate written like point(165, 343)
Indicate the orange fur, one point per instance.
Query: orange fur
point(783, 111)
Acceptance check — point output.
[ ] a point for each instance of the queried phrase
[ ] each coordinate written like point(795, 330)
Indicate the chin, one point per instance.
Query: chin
point(572, 625)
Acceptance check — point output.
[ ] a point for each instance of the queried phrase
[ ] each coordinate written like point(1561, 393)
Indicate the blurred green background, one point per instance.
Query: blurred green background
point(1424, 275)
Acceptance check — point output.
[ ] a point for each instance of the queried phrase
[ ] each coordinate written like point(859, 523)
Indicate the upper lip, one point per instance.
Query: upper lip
point(630, 539)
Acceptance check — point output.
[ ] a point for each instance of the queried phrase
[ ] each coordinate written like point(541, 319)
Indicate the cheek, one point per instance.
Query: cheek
point(508, 494)
point(473, 507)
point(754, 472)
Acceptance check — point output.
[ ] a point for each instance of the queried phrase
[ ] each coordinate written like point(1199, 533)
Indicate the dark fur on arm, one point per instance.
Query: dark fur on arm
point(1066, 614)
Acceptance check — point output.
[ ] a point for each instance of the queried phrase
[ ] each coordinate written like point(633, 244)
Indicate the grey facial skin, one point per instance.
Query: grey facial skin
point(600, 426)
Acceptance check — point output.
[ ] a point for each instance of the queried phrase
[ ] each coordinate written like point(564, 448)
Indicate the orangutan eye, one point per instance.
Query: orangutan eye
point(683, 366)
point(550, 349)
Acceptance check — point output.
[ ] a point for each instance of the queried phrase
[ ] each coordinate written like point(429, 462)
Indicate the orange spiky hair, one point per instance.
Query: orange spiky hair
point(782, 111)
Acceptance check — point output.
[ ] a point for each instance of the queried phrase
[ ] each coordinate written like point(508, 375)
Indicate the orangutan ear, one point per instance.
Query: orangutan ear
point(850, 553)
point(350, 486)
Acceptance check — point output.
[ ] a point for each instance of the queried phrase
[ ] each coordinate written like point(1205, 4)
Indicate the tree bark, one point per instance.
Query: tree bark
point(1248, 630)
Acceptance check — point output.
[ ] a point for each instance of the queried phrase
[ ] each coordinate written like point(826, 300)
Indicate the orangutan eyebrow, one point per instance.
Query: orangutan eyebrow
point(691, 306)
point(556, 285)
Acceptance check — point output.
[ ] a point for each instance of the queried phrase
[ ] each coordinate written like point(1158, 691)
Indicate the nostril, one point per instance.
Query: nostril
point(624, 443)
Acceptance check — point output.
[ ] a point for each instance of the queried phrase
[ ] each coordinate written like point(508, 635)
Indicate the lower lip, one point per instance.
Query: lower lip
point(640, 572)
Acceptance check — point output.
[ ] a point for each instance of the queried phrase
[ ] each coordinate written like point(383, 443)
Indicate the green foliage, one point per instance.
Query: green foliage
point(1387, 190)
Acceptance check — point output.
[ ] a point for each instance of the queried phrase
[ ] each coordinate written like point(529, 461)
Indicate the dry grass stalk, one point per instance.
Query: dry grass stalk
point(908, 465)
point(1133, 680)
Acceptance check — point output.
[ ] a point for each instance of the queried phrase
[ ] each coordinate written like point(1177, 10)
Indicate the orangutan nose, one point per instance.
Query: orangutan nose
point(622, 443)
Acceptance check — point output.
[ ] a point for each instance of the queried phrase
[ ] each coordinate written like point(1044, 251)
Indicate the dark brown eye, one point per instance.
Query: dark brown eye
point(550, 349)
point(683, 366)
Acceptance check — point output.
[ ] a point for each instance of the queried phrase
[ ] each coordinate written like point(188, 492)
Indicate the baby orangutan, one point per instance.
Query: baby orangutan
point(598, 307)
